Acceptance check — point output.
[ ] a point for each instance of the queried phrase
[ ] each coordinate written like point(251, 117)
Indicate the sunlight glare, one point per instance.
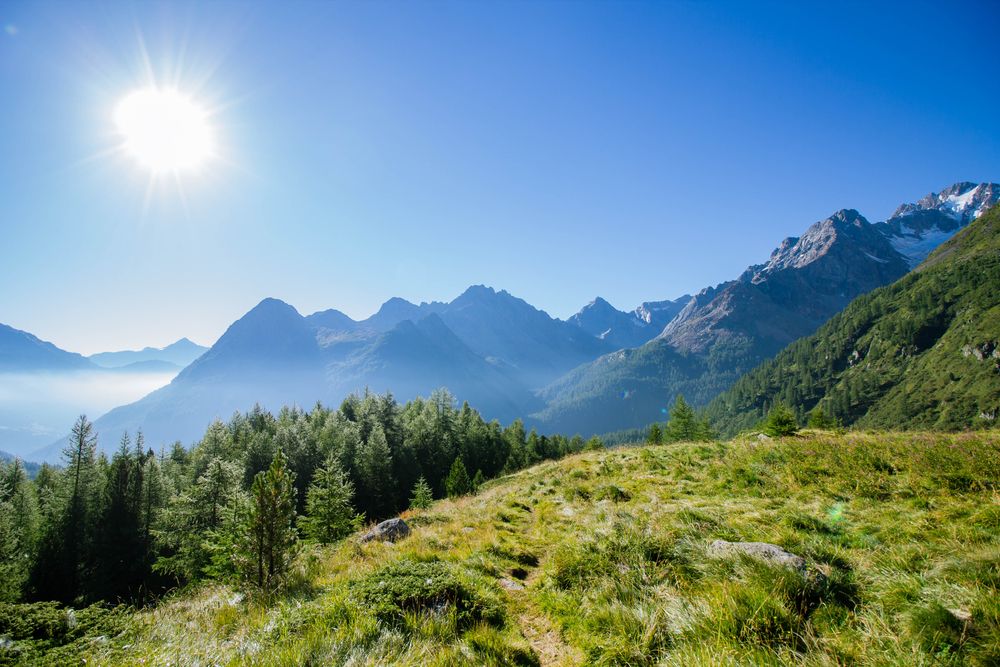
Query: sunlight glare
point(164, 130)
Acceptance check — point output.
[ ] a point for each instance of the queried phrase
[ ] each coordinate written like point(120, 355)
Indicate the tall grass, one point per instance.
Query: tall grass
point(601, 559)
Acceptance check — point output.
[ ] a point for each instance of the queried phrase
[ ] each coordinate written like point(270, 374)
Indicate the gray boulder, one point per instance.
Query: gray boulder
point(762, 551)
point(390, 530)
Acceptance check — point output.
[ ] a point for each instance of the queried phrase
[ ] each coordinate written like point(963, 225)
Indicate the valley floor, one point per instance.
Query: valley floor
point(603, 559)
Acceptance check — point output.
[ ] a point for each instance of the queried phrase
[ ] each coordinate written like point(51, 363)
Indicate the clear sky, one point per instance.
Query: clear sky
point(558, 150)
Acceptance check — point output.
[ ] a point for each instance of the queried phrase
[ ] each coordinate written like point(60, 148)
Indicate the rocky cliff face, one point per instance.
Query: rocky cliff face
point(802, 284)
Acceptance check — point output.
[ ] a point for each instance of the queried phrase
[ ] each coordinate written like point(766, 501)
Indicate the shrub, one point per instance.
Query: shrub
point(432, 587)
point(614, 493)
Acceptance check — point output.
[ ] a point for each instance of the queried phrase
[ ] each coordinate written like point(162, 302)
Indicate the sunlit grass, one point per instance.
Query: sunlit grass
point(601, 559)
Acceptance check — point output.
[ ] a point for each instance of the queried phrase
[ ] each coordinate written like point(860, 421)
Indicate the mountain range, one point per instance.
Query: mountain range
point(178, 354)
point(601, 370)
point(922, 352)
point(726, 330)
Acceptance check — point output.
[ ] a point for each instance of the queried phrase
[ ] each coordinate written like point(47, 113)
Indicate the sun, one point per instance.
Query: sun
point(164, 130)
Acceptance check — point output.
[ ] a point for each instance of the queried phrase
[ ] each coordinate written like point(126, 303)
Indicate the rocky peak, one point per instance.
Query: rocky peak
point(963, 201)
point(658, 313)
point(915, 230)
point(846, 225)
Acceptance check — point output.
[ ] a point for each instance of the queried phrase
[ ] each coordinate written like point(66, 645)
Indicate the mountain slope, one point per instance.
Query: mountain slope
point(923, 352)
point(725, 331)
point(806, 280)
point(500, 326)
point(21, 351)
point(180, 353)
point(274, 356)
point(415, 358)
point(605, 558)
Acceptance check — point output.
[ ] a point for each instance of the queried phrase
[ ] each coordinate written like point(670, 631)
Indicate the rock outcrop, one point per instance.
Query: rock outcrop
point(391, 530)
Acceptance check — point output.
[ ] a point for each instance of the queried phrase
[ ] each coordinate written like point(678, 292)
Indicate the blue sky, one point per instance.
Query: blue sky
point(559, 150)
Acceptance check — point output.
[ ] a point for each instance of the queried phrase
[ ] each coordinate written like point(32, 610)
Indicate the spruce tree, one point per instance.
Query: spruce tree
point(457, 483)
point(422, 496)
point(374, 466)
point(329, 513)
point(18, 530)
point(120, 555)
point(187, 529)
point(655, 436)
point(517, 444)
point(683, 423)
point(780, 421)
point(271, 523)
point(11, 556)
point(67, 541)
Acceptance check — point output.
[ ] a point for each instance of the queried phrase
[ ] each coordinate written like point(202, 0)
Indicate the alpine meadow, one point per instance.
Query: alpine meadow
point(294, 368)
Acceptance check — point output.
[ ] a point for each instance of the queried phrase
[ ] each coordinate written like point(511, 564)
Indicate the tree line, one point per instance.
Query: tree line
point(233, 506)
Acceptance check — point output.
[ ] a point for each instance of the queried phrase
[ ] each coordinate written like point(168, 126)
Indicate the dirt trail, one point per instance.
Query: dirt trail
point(536, 627)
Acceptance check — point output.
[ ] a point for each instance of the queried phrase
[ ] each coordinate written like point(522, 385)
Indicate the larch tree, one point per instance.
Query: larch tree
point(271, 523)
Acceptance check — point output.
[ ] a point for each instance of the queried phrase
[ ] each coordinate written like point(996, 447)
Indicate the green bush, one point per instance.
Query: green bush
point(48, 633)
point(434, 588)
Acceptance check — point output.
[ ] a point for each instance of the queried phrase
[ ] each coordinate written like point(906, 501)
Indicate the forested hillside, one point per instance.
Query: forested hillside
point(923, 352)
point(142, 522)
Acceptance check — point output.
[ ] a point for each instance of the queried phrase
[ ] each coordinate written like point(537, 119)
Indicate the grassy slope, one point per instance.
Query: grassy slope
point(610, 550)
point(894, 358)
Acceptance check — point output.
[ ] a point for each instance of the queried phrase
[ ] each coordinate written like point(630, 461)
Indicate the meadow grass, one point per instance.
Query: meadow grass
point(601, 559)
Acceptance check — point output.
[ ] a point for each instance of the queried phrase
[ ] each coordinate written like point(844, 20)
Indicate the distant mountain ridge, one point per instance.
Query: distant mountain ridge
point(21, 351)
point(620, 329)
point(179, 354)
point(486, 346)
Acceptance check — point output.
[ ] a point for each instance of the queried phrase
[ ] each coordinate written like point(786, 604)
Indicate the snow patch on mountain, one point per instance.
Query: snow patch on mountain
point(915, 230)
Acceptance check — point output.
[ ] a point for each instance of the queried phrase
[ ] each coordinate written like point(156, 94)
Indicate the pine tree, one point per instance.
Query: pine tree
point(655, 435)
point(477, 481)
point(374, 466)
point(270, 523)
point(818, 419)
point(18, 530)
point(329, 513)
point(780, 421)
point(457, 483)
point(683, 423)
point(594, 444)
point(422, 496)
point(189, 529)
point(67, 540)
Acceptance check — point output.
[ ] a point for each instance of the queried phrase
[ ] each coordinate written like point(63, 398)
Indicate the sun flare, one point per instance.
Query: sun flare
point(164, 130)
